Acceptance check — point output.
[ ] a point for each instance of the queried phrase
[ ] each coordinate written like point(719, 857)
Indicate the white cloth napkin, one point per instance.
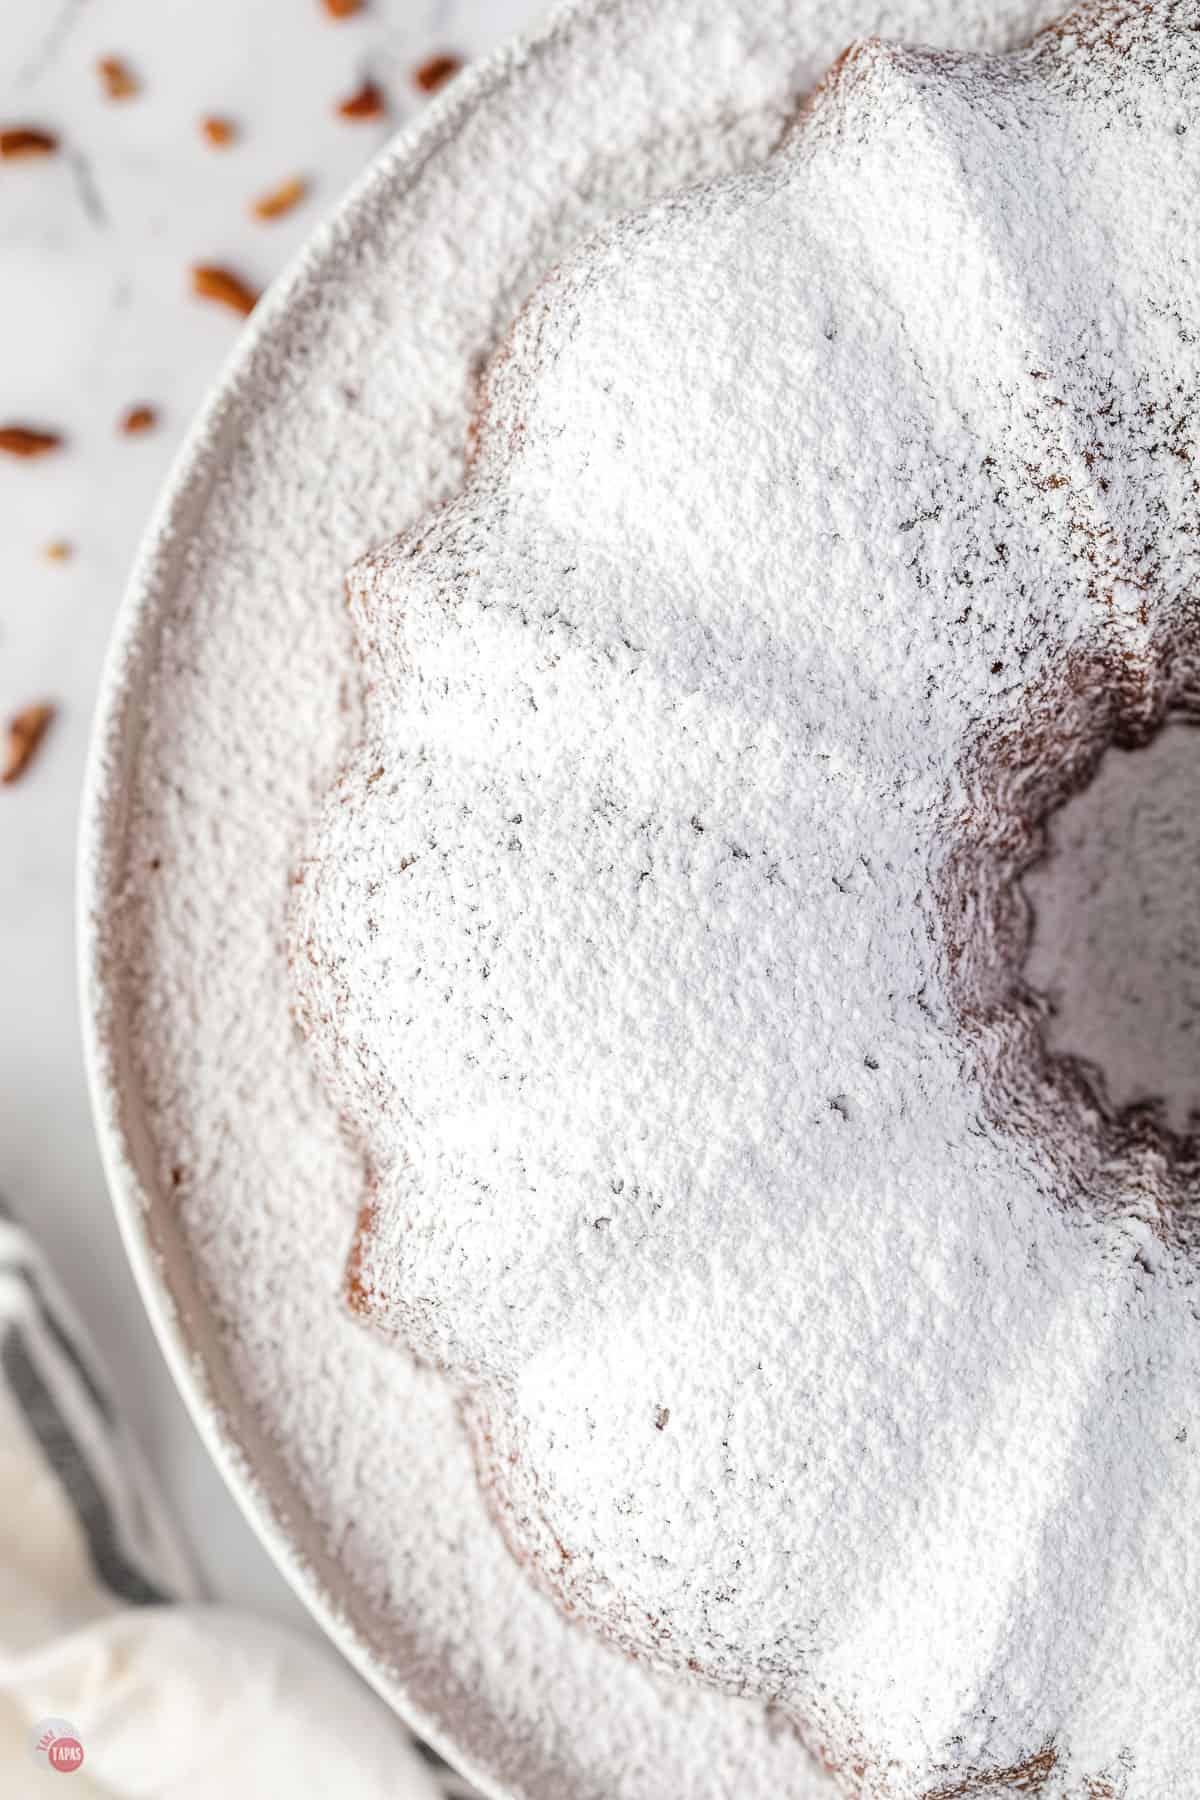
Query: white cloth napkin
point(102, 1635)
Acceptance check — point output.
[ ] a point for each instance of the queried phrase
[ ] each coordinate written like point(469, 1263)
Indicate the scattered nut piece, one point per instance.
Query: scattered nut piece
point(217, 131)
point(435, 73)
point(281, 200)
point(59, 551)
point(25, 733)
point(23, 440)
point(120, 83)
point(139, 419)
point(366, 103)
point(210, 282)
point(342, 9)
point(18, 141)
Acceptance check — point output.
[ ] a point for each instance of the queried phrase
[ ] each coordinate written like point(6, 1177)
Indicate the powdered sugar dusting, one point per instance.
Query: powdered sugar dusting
point(628, 889)
point(1042, 1580)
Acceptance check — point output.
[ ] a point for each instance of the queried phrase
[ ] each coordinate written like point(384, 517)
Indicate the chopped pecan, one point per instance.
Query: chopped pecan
point(435, 73)
point(25, 733)
point(217, 131)
point(18, 141)
point(24, 440)
point(139, 419)
point(211, 282)
point(120, 83)
point(367, 102)
point(281, 200)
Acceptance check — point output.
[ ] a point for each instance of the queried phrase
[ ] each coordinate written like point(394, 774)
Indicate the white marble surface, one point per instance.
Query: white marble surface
point(95, 317)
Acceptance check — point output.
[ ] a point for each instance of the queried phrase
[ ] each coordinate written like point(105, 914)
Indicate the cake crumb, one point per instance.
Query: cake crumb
point(59, 551)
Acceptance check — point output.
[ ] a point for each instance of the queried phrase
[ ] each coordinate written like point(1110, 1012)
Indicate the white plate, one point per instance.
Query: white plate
point(234, 1187)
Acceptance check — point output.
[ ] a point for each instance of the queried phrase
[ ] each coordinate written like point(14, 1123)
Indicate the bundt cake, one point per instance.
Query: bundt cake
point(821, 1333)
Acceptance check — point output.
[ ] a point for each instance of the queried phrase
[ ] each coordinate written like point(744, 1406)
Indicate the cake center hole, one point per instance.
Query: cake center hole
point(1115, 950)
